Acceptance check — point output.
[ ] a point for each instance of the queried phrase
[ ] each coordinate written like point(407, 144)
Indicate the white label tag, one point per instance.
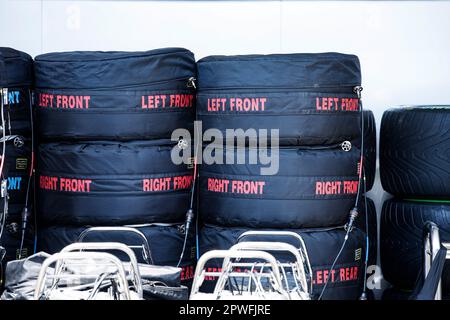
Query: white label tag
point(5, 96)
point(358, 253)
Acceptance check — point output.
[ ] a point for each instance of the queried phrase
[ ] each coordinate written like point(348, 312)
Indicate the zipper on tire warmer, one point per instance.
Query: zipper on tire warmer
point(325, 89)
point(189, 81)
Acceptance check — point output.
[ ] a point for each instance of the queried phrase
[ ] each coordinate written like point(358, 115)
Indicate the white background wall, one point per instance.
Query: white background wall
point(404, 46)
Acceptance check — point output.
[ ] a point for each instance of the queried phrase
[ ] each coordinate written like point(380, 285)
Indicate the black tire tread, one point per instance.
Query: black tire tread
point(415, 152)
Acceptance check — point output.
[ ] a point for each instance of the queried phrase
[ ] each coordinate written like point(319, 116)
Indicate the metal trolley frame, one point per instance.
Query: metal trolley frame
point(432, 244)
point(144, 246)
point(260, 274)
point(48, 281)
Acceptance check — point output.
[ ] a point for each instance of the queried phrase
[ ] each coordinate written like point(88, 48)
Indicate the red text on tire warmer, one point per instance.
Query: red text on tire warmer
point(340, 187)
point(62, 101)
point(167, 183)
point(336, 187)
point(65, 184)
point(163, 101)
point(84, 185)
point(260, 104)
point(236, 186)
point(187, 273)
point(337, 104)
point(344, 274)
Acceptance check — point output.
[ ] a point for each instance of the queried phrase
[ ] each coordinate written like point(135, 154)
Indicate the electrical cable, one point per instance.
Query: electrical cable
point(198, 145)
point(354, 211)
point(2, 162)
point(366, 262)
point(361, 161)
point(190, 213)
point(3, 135)
point(334, 264)
point(197, 240)
point(25, 210)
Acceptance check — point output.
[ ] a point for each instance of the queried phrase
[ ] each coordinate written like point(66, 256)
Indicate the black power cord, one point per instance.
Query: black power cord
point(353, 212)
point(364, 293)
point(25, 211)
point(190, 212)
point(4, 185)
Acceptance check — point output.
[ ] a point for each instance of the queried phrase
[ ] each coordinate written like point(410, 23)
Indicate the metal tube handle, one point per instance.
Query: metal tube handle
point(83, 246)
point(236, 254)
point(285, 234)
point(146, 252)
point(432, 244)
point(80, 256)
point(280, 247)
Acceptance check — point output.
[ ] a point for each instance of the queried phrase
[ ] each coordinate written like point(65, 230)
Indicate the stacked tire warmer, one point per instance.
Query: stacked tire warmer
point(16, 80)
point(415, 167)
point(105, 121)
point(312, 99)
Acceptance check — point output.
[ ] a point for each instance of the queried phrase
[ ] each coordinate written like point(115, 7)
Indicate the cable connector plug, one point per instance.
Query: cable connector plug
point(2, 255)
point(4, 94)
point(24, 218)
point(353, 215)
point(4, 188)
point(189, 219)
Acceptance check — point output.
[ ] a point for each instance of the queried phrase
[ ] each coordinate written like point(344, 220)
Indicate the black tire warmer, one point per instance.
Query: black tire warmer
point(114, 95)
point(166, 243)
point(313, 188)
point(111, 183)
point(310, 98)
point(347, 278)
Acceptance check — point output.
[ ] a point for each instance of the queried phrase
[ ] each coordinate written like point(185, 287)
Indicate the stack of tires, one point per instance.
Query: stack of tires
point(105, 121)
point(16, 210)
point(415, 168)
point(309, 184)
